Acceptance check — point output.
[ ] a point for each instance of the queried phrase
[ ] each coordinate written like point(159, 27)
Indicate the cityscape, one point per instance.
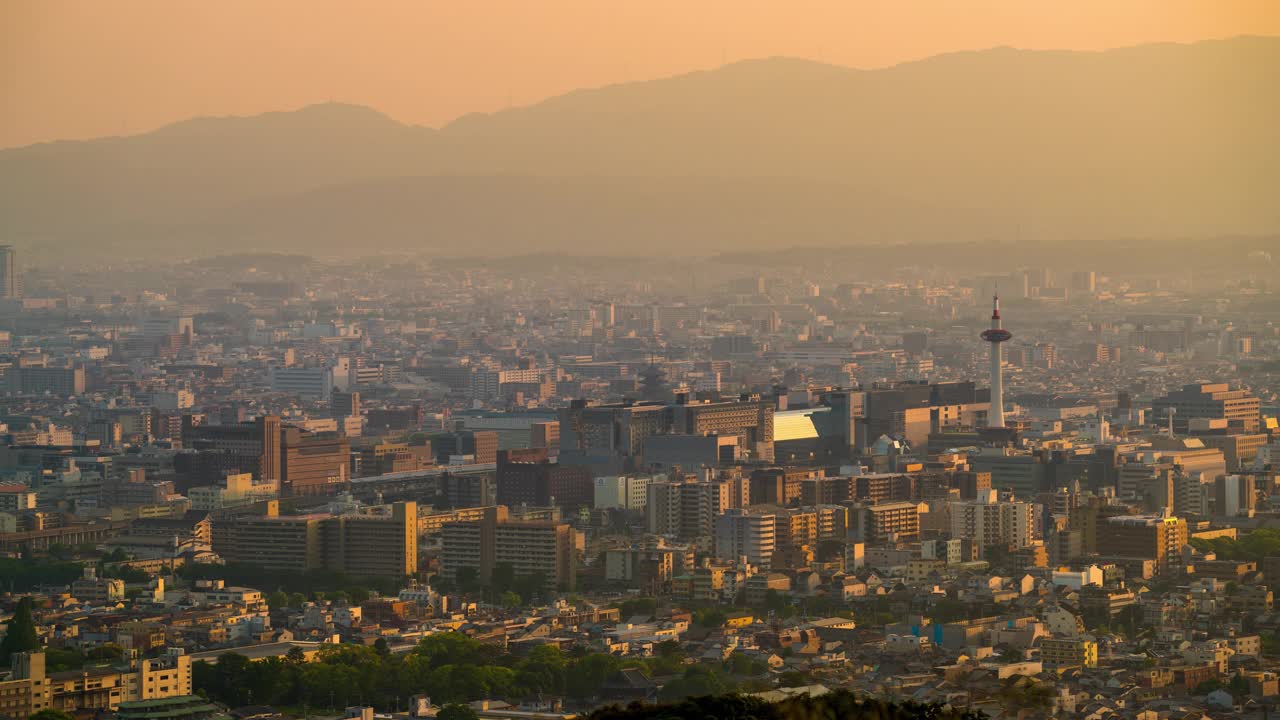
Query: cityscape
point(489, 469)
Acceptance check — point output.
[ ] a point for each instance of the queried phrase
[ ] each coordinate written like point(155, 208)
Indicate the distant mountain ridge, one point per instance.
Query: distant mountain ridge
point(1150, 141)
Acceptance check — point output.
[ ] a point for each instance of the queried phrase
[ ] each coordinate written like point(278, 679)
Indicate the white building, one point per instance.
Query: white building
point(743, 534)
point(622, 491)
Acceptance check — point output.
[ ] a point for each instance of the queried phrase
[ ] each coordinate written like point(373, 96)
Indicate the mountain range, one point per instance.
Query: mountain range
point(1150, 141)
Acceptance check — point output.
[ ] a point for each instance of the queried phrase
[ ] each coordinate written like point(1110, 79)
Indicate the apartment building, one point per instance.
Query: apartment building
point(530, 547)
point(381, 542)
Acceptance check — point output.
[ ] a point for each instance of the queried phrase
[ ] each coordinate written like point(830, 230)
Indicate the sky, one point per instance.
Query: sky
point(72, 69)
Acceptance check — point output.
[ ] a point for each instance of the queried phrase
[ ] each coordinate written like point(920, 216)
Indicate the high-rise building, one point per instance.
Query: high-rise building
point(746, 534)
point(10, 278)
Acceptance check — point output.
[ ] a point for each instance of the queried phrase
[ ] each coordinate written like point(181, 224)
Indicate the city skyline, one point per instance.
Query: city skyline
point(615, 361)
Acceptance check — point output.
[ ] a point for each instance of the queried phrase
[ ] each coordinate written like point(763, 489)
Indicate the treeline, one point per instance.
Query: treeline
point(27, 574)
point(310, 582)
point(1252, 547)
point(840, 704)
point(454, 668)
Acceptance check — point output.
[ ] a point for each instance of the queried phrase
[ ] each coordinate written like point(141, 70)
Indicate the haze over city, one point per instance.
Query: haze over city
point(622, 361)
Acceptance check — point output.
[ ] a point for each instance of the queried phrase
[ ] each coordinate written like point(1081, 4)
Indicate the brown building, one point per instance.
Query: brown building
point(312, 464)
point(1143, 536)
point(881, 523)
point(885, 487)
point(529, 477)
point(252, 447)
point(826, 490)
point(971, 484)
point(779, 486)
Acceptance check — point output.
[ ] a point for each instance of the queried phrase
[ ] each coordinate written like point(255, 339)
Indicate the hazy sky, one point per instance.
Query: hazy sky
point(98, 67)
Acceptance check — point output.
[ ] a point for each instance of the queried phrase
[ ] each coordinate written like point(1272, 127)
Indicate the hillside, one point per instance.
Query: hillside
point(1151, 141)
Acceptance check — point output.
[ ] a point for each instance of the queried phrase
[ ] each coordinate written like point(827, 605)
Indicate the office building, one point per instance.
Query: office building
point(529, 477)
point(313, 464)
point(1239, 408)
point(466, 447)
point(252, 447)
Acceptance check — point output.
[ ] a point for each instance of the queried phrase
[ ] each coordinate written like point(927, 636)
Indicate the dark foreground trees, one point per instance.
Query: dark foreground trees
point(837, 705)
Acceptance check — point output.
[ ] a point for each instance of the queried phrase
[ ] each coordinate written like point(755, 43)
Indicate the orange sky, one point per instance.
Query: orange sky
point(90, 68)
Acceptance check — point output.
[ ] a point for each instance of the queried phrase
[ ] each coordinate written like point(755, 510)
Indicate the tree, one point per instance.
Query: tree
point(710, 617)
point(297, 600)
point(638, 606)
point(698, 680)
point(511, 600)
point(381, 646)
point(108, 652)
point(278, 600)
point(589, 673)
point(56, 660)
point(504, 578)
point(531, 586)
point(467, 579)
point(51, 714)
point(20, 634)
point(456, 711)
point(793, 678)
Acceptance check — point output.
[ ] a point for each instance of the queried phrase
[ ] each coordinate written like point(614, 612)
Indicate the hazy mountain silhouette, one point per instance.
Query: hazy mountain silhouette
point(1156, 140)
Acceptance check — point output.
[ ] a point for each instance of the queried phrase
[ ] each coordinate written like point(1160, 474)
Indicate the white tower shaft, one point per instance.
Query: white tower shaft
point(995, 416)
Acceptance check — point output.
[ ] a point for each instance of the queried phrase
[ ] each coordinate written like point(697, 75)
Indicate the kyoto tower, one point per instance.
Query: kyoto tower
point(996, 335)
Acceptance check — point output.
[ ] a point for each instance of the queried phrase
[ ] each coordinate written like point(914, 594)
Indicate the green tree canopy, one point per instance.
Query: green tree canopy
point(51, 714)
point(456, 711)
point(20, 633)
